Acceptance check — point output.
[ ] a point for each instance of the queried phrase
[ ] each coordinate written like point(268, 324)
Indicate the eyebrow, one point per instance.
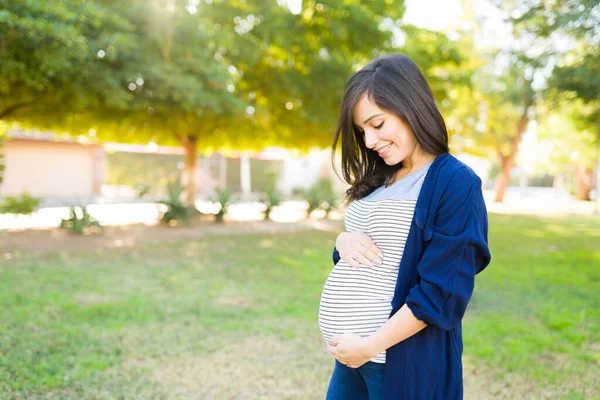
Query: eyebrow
point(371, 117)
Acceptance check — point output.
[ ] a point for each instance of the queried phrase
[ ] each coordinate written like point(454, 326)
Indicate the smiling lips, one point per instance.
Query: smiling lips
point(384, 150)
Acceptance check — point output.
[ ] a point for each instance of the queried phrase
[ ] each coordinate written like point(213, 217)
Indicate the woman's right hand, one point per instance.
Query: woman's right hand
point(358, 249)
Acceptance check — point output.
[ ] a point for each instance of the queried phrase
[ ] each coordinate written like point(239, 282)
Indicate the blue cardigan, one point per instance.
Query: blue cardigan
point(446, 246)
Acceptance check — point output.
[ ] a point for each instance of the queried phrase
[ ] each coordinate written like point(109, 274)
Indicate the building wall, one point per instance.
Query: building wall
point(303, 172)
point(51, 169)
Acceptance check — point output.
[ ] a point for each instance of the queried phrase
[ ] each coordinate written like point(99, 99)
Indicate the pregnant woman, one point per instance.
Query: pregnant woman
point(416, 236)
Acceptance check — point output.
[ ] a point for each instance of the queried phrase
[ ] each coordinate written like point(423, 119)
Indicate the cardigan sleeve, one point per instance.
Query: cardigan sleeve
point(457, 251)
point(335, 256)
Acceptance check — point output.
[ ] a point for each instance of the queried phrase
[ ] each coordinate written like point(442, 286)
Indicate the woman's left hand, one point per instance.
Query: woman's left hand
point(351, 350)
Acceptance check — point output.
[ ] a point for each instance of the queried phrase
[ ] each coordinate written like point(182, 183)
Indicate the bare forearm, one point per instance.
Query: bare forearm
point(401, 326)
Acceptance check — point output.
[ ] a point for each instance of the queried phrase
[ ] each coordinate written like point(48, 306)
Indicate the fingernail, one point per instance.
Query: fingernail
point(371, 264)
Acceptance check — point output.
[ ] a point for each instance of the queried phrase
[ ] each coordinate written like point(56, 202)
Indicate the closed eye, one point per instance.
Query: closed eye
point(378, 126)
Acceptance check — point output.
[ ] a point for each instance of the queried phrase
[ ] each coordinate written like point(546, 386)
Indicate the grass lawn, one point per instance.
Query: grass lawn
point(235, 317)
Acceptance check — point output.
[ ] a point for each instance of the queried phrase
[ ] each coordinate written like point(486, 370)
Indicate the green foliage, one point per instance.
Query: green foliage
point(223, 198)
point(575, 77)
point(143, 190)
point(177, 212)
point(320, 196)
point(273, 199)
point(576, 81)
point(208, 75)
point(272, 196)
point(568, 137)
point(80, 221)
point(24, 204)
point(51, 65)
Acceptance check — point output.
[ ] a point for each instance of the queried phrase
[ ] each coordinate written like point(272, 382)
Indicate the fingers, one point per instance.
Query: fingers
point(363, 261)
point(355, 259)
point(370, 249)
point(351, 261)
point(361, 251)
point(369, 257)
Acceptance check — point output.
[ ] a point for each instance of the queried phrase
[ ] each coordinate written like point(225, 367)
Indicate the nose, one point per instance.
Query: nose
point(371, 138)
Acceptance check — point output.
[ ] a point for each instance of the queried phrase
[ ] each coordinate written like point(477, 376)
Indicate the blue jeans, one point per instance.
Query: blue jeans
point(362, 383)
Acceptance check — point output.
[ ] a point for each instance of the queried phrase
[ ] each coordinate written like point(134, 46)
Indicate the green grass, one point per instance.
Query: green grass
point(536, 311)
point(198, 318)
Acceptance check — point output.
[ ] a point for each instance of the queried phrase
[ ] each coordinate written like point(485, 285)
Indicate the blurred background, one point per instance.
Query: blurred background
point(149, 148)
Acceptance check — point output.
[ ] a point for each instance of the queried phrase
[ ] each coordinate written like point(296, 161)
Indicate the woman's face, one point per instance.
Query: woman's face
point(384, 132)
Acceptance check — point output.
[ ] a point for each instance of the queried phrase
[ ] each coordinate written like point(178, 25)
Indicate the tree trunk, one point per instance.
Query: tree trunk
point(508, 162)
point(189, 172)
point(584, 182)
point(503, 178)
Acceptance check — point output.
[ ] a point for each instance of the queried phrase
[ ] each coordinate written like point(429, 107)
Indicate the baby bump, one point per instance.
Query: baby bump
point(354, 300)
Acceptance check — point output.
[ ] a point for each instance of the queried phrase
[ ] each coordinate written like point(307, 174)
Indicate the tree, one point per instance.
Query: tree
point(507, 93)
point(509, 112)
point(569, 145)
point(491, 114)
point(233, 74)
point(242, 74)
point(49, 55)
point(181, 87)
point(203, 75)
point(575, 77)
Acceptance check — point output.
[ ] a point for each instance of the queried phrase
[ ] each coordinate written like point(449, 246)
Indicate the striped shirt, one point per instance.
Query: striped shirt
point(358, 300)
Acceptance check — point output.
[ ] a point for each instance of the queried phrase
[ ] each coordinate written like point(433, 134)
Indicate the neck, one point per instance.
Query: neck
point(413, 163)
point(417, 160)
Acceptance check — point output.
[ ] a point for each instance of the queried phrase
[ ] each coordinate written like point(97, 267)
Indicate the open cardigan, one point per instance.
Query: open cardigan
point(446, 247)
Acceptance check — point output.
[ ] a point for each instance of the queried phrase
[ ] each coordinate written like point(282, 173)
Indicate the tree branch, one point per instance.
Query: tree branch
point(11, 109)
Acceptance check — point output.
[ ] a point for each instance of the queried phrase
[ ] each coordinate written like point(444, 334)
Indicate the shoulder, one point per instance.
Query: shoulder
point(454, 179)
point(457, 195)
point(454, 171)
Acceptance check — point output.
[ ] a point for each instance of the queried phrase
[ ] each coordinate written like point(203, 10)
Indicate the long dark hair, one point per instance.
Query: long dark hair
point(395, 84)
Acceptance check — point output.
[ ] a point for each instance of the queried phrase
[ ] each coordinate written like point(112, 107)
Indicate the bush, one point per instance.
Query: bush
point(177, 212)
point(80, 221)
point(25, 204)
point(272, 199)
point(142, 190)
point(223, 199)
point(320, 196)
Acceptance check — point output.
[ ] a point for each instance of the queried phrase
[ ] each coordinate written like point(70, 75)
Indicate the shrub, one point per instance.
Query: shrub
point(25, 204)
point(272, 199)
point(223, 199)
point(177, 212)
point(80, 221)
point(142, 190)
point(320, 196)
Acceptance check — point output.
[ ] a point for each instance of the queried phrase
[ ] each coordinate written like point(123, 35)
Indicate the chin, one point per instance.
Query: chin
point(392, 160)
